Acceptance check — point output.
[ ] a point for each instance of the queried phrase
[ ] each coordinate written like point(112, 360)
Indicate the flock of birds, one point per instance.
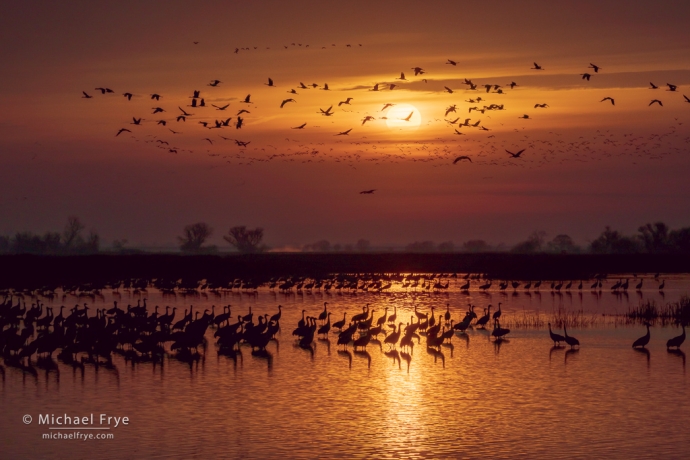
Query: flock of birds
point(218, 117)
point(79, 337)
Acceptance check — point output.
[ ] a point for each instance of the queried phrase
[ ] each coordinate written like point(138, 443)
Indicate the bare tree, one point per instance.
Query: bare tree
point(194, 236)
point(245, 240)
point(71, 235)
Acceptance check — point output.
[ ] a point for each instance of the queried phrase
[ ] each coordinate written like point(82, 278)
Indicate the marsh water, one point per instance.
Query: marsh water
point(477, 398)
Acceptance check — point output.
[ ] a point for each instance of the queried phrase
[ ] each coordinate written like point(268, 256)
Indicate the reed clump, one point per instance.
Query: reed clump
point(671, 312)
point(535, 320)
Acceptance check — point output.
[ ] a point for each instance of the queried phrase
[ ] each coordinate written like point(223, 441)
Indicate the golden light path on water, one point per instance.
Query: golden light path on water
point(474, 398)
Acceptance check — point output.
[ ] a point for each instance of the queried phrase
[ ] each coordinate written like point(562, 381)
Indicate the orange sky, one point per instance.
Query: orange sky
point(587, 164)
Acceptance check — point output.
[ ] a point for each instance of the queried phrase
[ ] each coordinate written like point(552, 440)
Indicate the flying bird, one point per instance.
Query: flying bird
point(671, 87)
point(238, 124)
point(525, 117)
point(376, 87)
point(326, 112)
point(156, 96)
point(221, 107)
point(347, 101)
point(344, 133)
point(270, 82)
point(367, 118)
point(285, 101)
point(385, 106)
point(402, 76)
point(537, 67)
point(215, 83)
point(85, 96)
point(656, 101)
point(240, 112)
point(596, 68)
point(513, 85)
point(367, 192)
point(540, 106)
point(687, 99)
point(136, 121)
point(157, 110)
point(246, 99)
point(242, 144)
point(207, 139)
point(451, 62)
point(418, 71)
point(515, 155)
point(407, 118)
point(653, 86)
point(325, 87)
point(128, 96)
point(122, 130)
point(586, 76)
point(462, 157)
point(184, 113)
point(450, 91)
point(609, 99)
point(300, 126)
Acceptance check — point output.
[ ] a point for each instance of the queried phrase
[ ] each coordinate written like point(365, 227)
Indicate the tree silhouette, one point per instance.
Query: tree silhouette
point(71, 235)
point(563, 244)
point(194, 236)
point(613, 242)
point(655, 237)
point(534, 243)
point(245, 240)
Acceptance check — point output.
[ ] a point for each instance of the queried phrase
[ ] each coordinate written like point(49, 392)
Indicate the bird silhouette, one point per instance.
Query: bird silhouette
point(221, 107)
point(613, 102)
point(407, 118)
point(656, 101)
point(537, 67)
point(122, 130)
point(572, 341)
point(596, 68)
point(462, 157)
point(347, 101)
point(285, 101)
point(367, 192)
point(557, 338)
point(644, 340)
point(344, 133)
point(515, 155)
point(270, 82)
point(300, 126)
point(676, 341)
point(85, 95)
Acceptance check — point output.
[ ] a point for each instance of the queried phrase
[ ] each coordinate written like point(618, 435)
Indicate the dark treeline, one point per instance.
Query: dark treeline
point(34, 272)
point(656, 238)
point(70, 241)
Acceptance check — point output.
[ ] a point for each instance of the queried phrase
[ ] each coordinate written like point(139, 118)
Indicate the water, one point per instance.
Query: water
point(477, 399)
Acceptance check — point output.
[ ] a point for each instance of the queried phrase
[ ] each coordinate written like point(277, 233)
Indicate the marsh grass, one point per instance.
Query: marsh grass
point(536, 320)
point(671, 312)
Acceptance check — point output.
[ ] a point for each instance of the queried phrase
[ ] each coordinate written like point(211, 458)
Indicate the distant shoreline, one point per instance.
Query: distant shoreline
point(33, 271)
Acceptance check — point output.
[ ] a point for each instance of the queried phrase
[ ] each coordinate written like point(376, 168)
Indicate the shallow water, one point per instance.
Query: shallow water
point(516, 398)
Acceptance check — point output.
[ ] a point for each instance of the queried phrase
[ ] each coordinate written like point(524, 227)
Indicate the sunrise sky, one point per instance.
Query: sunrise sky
point(586, 163)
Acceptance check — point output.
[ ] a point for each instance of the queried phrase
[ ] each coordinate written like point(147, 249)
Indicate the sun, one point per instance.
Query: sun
point(403, 117)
